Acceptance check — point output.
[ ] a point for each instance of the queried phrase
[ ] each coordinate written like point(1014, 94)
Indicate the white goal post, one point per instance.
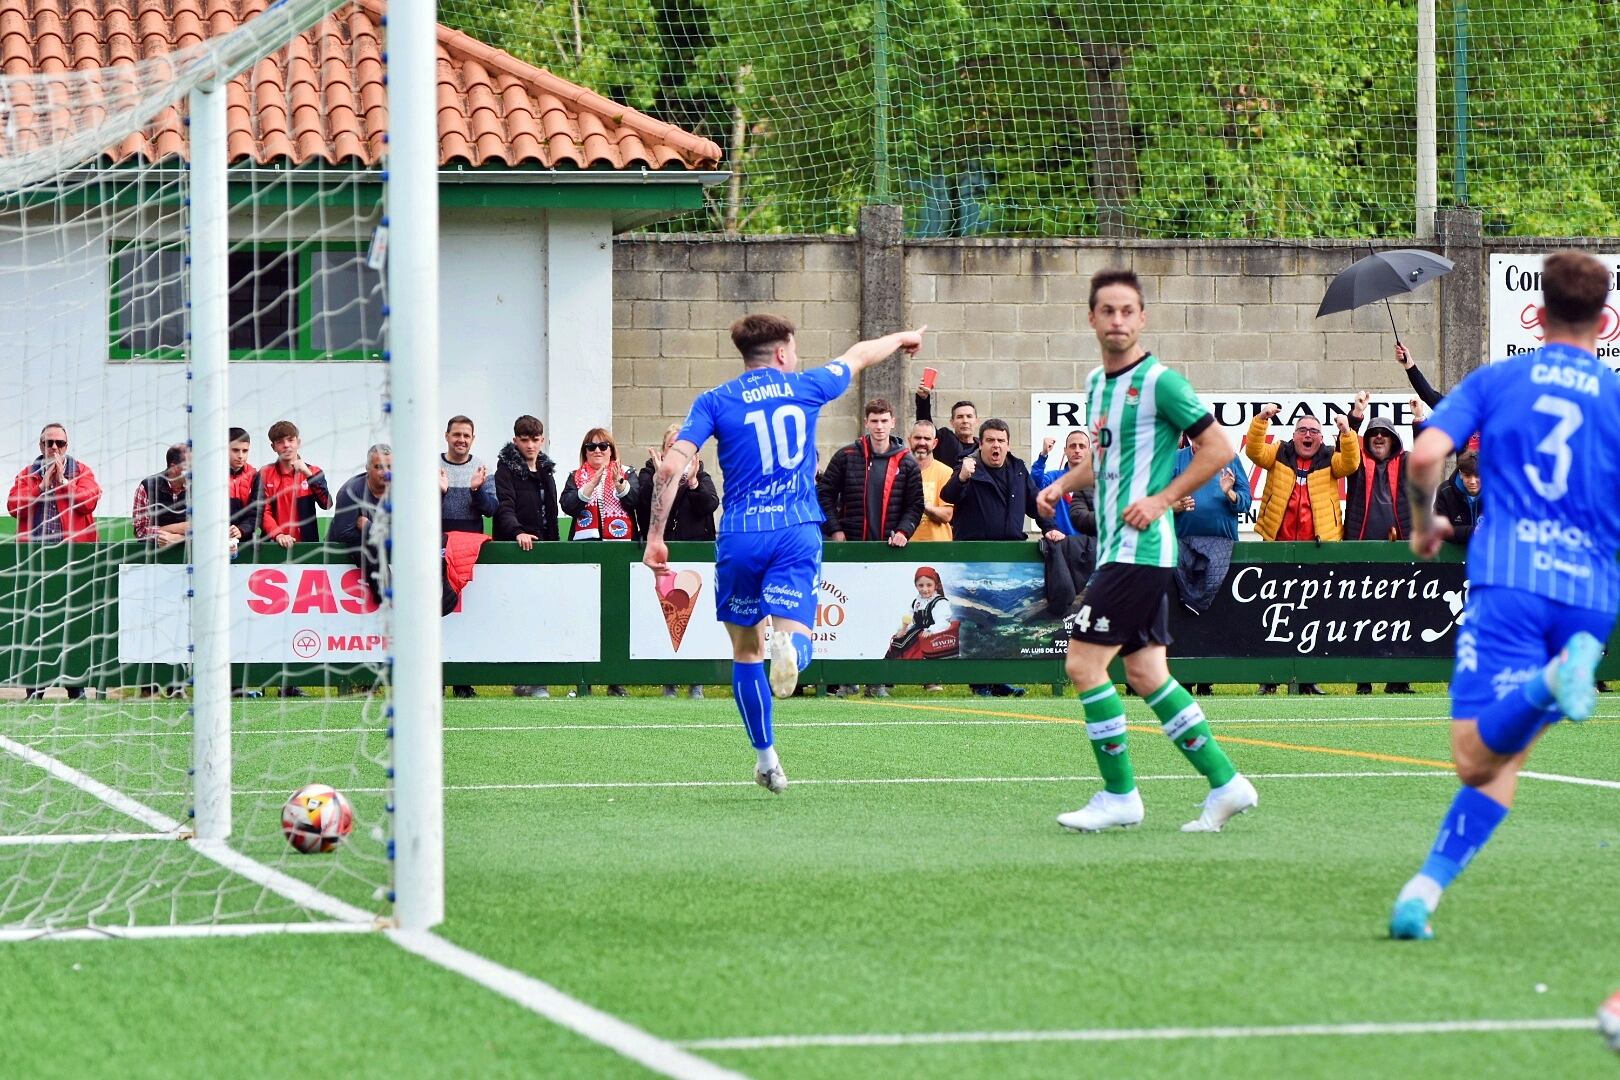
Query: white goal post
point(165, 300)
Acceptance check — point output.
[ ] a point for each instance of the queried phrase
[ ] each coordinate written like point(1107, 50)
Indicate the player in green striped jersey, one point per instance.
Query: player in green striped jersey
point(1138, 410)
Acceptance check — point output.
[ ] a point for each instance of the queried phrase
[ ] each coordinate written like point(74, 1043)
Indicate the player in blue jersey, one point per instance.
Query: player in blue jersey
point(768, 558)
point(1543, 581)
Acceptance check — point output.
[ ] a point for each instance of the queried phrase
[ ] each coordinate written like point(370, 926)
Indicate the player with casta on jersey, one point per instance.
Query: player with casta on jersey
point(768, 557)
point(1543, 582)
point(1138, 409)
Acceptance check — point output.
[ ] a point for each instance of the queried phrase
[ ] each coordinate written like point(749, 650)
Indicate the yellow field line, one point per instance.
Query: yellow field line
point(1238, 740)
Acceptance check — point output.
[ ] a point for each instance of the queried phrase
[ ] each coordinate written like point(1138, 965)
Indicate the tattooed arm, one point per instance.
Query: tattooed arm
point(666, 481)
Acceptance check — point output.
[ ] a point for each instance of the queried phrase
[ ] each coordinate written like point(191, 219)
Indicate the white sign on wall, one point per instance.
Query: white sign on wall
point(1516, 294)
point(322, 613)
point(1055, 415)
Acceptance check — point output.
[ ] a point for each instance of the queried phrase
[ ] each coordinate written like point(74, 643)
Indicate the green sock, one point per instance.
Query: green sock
point(1182, 720)
point(1105, 727)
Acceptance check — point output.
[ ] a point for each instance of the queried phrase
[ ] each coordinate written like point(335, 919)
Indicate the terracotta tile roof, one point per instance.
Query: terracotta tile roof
point(321, 98)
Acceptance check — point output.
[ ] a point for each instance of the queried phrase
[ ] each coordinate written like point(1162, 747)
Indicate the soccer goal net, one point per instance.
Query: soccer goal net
point(190, 636)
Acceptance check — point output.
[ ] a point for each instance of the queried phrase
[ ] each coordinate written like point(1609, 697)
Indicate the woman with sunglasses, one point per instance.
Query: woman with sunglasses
point(600, 497)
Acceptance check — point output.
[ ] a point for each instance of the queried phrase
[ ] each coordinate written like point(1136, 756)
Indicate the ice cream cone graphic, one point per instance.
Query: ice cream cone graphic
point(677, 596)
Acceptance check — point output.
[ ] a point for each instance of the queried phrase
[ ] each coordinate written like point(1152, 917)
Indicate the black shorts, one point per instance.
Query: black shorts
point(1124, 605)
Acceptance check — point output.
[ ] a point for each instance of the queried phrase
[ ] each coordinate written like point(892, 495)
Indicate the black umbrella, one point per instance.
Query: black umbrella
point(1380, 276)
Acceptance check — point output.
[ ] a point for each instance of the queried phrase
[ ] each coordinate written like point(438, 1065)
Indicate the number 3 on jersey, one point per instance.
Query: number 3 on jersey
point(781, 441)
point(1568, 414)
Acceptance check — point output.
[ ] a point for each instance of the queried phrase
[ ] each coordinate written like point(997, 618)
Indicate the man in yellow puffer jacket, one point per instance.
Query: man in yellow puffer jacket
point(1301, 500)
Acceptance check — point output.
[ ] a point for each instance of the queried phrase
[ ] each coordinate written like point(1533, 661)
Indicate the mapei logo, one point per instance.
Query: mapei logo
point(306, 644)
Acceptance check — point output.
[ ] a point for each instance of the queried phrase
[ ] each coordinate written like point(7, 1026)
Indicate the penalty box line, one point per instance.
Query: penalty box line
point(1166, 1034)
point(617, 1035)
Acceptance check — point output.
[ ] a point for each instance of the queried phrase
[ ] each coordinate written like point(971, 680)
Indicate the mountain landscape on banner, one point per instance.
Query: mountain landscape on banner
point(1003, 610)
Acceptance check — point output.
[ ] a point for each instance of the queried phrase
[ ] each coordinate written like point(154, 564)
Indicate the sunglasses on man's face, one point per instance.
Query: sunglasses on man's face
point(598, 446)
point(54, 444)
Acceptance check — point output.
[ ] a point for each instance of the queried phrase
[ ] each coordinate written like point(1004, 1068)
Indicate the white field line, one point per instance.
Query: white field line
point(284, 885)
point(146, 933)
point(856, 782)
point(449, 729)
point(46, 839)
point(1583, 781)
point(1172, 1034)
point(615, 1034)
point(539, 997)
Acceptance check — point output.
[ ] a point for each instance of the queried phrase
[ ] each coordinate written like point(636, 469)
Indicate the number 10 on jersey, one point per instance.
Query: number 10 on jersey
point(781, 440)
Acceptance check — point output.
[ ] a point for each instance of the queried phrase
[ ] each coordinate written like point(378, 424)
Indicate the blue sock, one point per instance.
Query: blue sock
point(1469, 822)
point(803, 646)
point(1508, 726)
point(753, 692)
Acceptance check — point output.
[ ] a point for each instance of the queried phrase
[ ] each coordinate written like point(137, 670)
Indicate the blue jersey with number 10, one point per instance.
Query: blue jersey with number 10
point(1549, 462)
point(765, 423)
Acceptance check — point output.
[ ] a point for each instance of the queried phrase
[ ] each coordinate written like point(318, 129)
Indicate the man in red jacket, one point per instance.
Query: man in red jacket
point(288, 490)
point(54, 499)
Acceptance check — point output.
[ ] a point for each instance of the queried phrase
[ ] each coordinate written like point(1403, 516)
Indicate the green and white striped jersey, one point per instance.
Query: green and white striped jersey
point(1137, 418)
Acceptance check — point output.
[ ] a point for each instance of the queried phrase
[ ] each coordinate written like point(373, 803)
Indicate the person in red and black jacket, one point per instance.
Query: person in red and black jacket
point(287, 491)
point(244, 518)
point(54, 499)
point(1375, 503)
point(872, 488)
point(1375, 506)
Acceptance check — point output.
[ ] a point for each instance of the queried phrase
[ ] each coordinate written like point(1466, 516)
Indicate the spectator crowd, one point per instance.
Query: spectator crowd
point(956, 481)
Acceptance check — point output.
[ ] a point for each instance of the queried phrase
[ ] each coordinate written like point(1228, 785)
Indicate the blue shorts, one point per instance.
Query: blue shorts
point(768, 573)
point(1507, 635)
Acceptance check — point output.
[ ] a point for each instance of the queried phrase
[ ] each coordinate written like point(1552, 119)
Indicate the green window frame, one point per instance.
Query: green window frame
point(335, 316)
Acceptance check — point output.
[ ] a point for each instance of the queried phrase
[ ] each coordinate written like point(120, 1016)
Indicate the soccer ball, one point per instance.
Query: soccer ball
point(316, 818)
point(1609, 1021)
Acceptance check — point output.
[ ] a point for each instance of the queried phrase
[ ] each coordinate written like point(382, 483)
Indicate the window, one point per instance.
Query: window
point(285, 303)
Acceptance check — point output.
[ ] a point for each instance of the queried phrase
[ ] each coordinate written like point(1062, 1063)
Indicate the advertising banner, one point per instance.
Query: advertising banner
point(997, 610)
point(1054, 415)
point(1515, 296)
point(322, 614)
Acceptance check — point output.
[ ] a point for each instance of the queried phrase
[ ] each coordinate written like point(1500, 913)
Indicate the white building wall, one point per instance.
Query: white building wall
point(496, 322)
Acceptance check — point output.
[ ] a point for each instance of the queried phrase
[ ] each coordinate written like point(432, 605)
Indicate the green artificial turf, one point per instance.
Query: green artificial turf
point(911, 881)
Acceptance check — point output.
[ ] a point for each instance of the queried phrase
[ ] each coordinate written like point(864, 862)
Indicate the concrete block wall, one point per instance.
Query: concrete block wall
point(675, 300)
point(1006, 317)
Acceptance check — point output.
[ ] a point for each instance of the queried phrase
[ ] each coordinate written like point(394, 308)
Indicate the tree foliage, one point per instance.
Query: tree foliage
point(1132, 117)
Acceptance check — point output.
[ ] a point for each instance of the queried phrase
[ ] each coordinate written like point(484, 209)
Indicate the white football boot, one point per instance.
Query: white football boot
point(773, 779)
point(784, 664)
point(1105, 811)
point(1236, 796)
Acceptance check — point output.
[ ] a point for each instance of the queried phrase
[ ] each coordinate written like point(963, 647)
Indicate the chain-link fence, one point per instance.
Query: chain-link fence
point(1159, 118)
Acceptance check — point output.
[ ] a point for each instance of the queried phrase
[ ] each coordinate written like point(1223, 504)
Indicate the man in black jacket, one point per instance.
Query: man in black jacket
point(872, 488)
point(526, 499)
point(956, 439)
point(993, 493)
point(526, 487)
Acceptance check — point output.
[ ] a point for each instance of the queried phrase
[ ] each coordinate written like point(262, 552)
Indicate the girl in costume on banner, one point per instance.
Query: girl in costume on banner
point(931, 631)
